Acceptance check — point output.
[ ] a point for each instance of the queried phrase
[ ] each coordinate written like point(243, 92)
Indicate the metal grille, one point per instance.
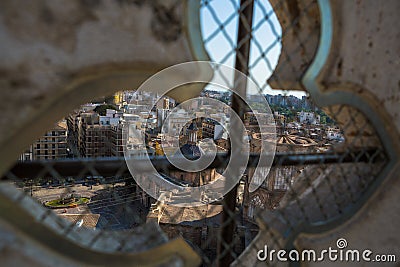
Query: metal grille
point(311, 182)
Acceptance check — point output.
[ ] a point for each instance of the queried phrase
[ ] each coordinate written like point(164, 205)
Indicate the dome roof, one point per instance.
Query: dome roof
point(192, 127)
point(191, 151)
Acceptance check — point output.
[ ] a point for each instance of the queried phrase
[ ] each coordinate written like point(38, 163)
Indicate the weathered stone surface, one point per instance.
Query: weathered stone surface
point(57, 55)
point(375, 227)
point(361, 71)
point(44, 239)
point(300, 22)
point(365, 55)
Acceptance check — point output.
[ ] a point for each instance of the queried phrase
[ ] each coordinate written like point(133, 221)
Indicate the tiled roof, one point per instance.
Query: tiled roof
point(192, 126)
point(191, 150)
point(194, 216)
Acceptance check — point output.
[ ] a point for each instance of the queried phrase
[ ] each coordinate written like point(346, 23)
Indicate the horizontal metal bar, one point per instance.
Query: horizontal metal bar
point(109, 167)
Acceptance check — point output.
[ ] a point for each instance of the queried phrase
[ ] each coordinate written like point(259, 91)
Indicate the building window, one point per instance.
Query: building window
point(280, 182)
point(250, 211)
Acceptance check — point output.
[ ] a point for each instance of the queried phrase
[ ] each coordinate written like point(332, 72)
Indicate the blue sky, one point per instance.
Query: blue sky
point(266, 34)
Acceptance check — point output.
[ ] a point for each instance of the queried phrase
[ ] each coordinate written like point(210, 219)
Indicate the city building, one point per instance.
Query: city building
point(289, 101)
point(212, 129)
point(308, 117)
point(177, 122)
point(162, 112)
point(192, 150)
point(271, 191)
point(254, 118)
point(95, 141)
point(52, 145)
point(92, 135)
point(197, 225)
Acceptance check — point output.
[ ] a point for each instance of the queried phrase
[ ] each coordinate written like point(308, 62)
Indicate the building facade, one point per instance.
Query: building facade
point(92, 135)
point(52, 145)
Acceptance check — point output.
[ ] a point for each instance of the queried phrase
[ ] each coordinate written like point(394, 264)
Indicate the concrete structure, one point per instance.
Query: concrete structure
point(197, 225)
point(95, 140)
point(308, 117)
point(213, 129)
point(83, 50)
point(191, 149)
point(289, 101)
point(253, 118)
point(119, 98)
point(92, 135)
point(268, 196)
point(161, 116)
point(53, 144)
point(359, 76)
point(279, 118)
point(177, 122)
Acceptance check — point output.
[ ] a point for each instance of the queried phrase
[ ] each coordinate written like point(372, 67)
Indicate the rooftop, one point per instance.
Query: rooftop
point(193, 216)
point(190, 150)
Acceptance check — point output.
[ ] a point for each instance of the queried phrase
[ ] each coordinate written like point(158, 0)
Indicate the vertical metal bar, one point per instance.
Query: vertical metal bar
point(241, 63)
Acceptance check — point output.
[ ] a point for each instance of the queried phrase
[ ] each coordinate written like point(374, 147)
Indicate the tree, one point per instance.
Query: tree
point(101, 110)
point(323, 119)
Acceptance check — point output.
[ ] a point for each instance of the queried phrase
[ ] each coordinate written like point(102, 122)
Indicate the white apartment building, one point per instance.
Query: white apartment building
point(308, 117)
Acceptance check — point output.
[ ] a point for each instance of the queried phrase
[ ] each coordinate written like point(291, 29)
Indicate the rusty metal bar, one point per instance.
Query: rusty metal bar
point(225, 258)
point(108, 167)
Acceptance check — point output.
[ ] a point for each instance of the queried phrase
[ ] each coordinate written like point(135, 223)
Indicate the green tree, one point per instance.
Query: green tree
point(101, 110)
